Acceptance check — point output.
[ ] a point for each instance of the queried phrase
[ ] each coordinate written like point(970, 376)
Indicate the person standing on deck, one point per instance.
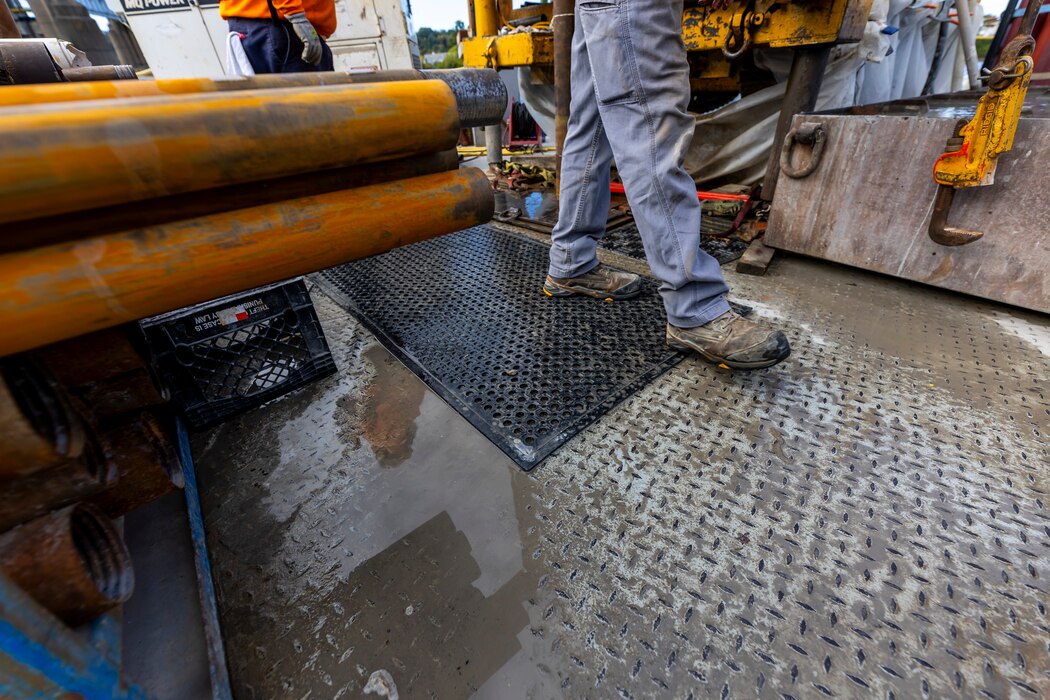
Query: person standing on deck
point(630, 92)
point(283, 36)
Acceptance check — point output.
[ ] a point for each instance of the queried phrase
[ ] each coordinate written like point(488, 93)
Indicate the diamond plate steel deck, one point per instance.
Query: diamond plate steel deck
point(466, 313)
point(627, 241)
point(867, 520)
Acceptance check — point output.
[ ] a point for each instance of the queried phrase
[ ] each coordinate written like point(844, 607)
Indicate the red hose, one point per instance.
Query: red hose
point(617, 188)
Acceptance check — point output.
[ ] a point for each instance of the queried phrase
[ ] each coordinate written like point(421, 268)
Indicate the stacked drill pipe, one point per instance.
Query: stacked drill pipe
point(121, 208)
point(106, 373)
point(72, 561)
point(125, 199)
point(38, 427)
point(62, 477)
point(66, 555)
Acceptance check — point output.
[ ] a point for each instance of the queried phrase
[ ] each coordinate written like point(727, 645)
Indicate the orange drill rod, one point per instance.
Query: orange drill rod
point(191, 205)
point(57, 158)
point(480, 93)
point(64, 290)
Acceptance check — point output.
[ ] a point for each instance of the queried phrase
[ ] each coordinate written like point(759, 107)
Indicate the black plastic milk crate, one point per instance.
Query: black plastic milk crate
point(223, 357)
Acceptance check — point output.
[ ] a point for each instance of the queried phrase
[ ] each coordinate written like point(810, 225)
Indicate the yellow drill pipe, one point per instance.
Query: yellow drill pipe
point(58, 158)
point(15, 95)
point(64, 290)
point(163, 210)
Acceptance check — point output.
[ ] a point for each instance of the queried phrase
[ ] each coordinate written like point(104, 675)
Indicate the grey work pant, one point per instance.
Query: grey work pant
point(630, 92)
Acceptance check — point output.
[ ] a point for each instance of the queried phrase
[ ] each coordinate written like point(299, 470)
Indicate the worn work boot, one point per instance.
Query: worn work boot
point(601, 283)
point(732, 340)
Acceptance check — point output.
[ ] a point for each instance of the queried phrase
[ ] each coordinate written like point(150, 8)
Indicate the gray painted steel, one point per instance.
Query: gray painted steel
point(869, 519)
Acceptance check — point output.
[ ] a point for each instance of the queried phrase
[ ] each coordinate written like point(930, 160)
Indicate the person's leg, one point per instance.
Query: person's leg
point(583, 201)
point(641, 78)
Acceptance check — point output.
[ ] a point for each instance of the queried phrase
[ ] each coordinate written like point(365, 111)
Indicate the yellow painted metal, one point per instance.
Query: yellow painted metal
point(509, 50)
point(64, 290)
point(712, 72)
point(58, 158)
point(772, 23)
point(98, 90)
point(777, 24)
point(486, 18)
point(17, 95)
point(988, 135)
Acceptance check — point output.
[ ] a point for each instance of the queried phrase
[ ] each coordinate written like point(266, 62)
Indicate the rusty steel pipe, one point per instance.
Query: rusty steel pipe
point(8, 26)
point(480, 93)
point(116, 396)
point(105, 89)
point(64, 290)
point(95, 73)
point(92, 357)
point(481, 97)
point(147, 465)
point(57, 158)
point(164, 210)
point(27, 62)
point(73, 562)
point(33, 496)
point(38, 426)
point(105, 372)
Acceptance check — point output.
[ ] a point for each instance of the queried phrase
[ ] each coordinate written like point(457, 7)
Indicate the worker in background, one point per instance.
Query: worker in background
point(630, 91)
point(283, 36)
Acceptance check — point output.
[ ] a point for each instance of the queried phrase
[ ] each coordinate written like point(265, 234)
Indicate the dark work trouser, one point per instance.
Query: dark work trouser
point(274, 47)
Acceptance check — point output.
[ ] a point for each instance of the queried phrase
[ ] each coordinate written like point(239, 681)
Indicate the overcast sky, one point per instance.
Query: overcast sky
point(438, 14)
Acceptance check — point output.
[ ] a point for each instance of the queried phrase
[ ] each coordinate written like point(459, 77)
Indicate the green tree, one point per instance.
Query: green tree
point(451, 59)
point(436, 41)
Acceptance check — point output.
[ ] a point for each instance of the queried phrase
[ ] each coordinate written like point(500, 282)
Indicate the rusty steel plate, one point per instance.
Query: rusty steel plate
point(869, 201)
point(869, 519)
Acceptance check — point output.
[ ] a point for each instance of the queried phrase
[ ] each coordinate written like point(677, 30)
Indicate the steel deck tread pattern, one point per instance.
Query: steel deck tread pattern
point(467, 314)
point(626, 240)
point(869, 519)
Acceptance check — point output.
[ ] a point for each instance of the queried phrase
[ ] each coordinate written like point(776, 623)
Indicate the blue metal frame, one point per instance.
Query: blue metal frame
point(41, 658)
point(220, 677)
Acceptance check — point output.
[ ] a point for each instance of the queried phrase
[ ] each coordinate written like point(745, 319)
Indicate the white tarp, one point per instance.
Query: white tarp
point(733, 142)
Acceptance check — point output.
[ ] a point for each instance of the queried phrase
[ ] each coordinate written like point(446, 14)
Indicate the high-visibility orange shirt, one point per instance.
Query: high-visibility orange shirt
point(321, 13)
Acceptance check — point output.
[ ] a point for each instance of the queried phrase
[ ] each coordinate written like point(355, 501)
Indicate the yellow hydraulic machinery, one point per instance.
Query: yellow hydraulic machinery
point(973, 151)
point(718, 34)
point(504, 37)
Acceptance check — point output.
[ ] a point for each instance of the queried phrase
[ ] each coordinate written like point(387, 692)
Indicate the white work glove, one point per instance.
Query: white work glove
point(308, 35)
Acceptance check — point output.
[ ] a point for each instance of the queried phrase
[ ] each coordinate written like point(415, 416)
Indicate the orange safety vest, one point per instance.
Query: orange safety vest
point(321, 13)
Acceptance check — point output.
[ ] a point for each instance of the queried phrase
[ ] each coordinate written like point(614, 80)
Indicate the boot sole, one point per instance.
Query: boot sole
point(783, 354)
point(562, 292)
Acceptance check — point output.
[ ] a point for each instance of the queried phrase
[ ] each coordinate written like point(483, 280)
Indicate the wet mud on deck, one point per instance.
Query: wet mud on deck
point(869, 518)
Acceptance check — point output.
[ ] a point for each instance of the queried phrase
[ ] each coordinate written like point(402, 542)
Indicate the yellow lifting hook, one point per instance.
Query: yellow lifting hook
point(973, 151)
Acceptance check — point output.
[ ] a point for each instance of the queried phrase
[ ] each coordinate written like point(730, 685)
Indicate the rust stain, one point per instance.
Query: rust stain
point(386, 411)
point(139, 273)
point(70, 156)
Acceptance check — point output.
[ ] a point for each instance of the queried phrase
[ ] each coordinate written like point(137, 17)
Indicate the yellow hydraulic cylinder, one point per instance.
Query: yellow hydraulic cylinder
point(64, 290)
point(58, 158)
point(486, 18)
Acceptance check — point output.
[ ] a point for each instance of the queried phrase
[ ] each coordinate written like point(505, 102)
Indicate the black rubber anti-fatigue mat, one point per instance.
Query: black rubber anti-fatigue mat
point(465, 313)
point(627, 241)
